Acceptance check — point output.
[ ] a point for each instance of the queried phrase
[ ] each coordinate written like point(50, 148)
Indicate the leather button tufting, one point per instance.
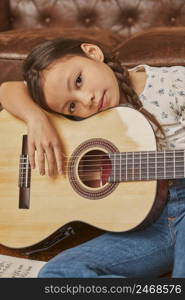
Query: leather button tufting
point(173, 19)
point(47, 20)
point(130, 20)
point(87, 20)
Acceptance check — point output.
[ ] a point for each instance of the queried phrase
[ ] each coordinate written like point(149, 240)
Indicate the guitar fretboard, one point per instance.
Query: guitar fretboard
point(147, 165)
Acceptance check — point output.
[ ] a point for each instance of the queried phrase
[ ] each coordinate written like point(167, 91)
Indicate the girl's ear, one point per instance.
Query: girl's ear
point(93, 51)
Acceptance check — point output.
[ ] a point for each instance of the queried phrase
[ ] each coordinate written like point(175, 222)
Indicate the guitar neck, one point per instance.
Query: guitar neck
point(147, 165)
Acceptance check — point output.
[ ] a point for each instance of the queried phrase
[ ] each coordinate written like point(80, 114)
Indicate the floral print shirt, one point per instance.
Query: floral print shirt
point(164, 97)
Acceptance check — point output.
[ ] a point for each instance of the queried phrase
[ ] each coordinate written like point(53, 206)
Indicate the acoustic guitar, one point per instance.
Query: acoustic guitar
point(114, 178)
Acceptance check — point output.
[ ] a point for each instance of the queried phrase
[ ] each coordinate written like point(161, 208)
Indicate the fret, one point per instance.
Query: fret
point(173, 164)
point(155, 165)
point(129, 165)
point(143, 165)
point(140, 165)
point(126, 175)
point(179, 162)
point(151, 165)
point(164, 165)
point(169, 164)
point(133, 166)
point(160, 164)
point(147, 166)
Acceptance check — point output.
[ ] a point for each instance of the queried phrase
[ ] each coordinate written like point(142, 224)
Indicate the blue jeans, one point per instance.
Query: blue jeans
point(156, 250)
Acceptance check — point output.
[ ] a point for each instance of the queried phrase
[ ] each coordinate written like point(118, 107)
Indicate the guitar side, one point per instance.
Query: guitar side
point(53, 200)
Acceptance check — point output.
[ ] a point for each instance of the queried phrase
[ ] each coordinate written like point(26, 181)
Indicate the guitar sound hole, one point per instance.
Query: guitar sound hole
point(94, 168)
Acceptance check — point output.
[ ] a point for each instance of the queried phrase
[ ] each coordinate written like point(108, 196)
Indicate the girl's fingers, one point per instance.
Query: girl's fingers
point(41, 160)
point(31, 155)
point(59, 159)
point(51, 161)
point(53, 155)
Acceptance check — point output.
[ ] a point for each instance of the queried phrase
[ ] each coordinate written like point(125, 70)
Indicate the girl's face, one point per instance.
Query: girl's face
point(80, 86)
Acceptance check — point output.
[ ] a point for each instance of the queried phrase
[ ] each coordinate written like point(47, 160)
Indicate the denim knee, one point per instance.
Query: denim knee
point(75, 269)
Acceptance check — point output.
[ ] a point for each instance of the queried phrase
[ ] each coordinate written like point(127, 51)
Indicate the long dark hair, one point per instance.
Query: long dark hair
point(48, 52)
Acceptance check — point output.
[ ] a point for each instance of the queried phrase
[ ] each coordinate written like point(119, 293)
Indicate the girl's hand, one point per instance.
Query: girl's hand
point(43, 138)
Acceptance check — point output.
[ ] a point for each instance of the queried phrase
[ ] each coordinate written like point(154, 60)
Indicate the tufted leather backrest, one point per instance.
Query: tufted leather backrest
point(4, 15)
point(156, 47)
point(124, 17)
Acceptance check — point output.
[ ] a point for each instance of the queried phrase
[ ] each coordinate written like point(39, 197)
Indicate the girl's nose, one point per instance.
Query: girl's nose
point(87, 99)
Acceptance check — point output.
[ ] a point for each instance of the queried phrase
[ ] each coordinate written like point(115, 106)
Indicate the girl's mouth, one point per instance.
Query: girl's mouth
point(103, 102)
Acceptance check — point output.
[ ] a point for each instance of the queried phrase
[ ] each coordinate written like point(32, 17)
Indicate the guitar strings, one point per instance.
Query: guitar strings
point(117, 163)
point(134, 176)
point(132, 160)
point(173, 153)
point(125, 179)
point(126, 158)
point(144, 165)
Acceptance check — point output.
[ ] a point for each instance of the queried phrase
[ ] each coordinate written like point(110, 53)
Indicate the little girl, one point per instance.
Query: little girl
point(77, 79)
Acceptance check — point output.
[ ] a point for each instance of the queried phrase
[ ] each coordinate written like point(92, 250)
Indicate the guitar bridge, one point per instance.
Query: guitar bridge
point(24, 176)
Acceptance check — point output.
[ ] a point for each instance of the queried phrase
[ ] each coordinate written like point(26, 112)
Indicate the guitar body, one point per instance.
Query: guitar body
point(56, 201)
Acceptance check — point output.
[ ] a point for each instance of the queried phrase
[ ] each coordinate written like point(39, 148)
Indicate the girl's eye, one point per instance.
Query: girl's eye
point(79, 80)
point(72, 107)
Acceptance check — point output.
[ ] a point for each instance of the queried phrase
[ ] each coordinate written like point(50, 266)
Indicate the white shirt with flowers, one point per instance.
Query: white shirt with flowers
point(164, 97)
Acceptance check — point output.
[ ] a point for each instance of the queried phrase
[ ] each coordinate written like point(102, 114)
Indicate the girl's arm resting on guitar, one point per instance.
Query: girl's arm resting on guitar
point(42, 137)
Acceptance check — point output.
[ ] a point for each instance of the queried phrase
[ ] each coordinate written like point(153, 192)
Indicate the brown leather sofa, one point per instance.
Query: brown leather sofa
point(25, 23)
point(139, 31)
point(123, 17)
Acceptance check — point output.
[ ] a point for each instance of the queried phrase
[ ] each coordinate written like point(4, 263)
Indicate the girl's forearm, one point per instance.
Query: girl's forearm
point(42, 137)
point(14, 98)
